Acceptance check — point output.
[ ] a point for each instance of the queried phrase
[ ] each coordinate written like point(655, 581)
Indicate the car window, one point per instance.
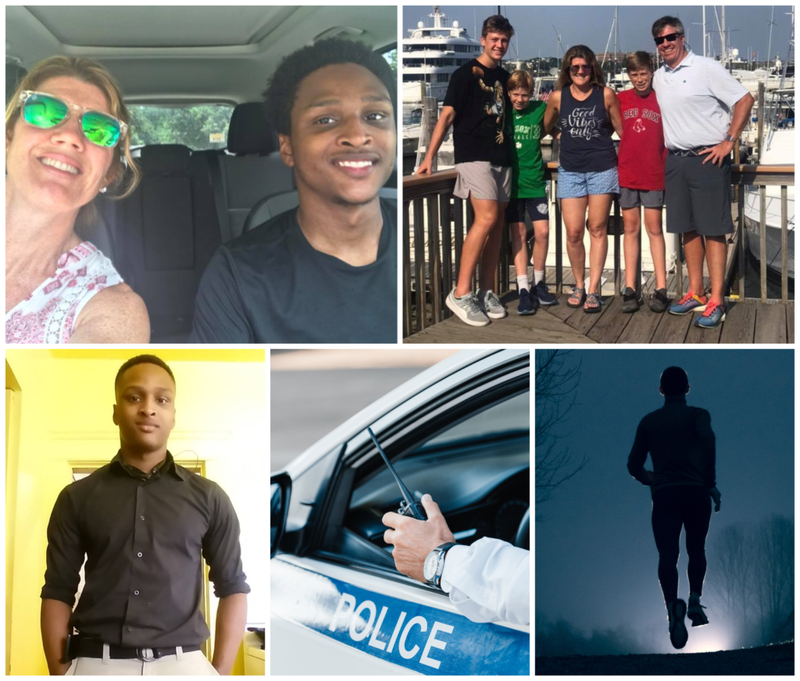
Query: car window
point(507, 416)
point(390, 56)
point(477, 470)
point(197, 126)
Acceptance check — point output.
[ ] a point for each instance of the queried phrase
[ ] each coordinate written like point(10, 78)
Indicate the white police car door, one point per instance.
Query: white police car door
point(339, 607)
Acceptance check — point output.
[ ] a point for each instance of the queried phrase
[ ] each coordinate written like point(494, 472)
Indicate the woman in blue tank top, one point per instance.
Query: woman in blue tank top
point(587, 113)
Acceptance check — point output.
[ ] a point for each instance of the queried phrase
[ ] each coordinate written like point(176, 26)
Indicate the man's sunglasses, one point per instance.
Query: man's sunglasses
point(46, 111)
point(671, 37)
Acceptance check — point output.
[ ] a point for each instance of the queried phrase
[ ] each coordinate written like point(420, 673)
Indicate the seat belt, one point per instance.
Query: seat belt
point(220, 203)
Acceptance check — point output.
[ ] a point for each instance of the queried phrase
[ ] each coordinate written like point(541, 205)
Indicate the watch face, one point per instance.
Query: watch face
point(429, 568)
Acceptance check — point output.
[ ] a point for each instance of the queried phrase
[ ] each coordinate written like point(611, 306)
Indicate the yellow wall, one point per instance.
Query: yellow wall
point(65, 419)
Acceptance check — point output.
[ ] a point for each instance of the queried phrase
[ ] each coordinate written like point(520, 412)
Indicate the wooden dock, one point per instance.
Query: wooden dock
point(747, 321)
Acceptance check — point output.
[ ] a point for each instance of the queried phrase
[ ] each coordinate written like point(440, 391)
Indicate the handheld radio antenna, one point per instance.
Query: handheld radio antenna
point(409, 506)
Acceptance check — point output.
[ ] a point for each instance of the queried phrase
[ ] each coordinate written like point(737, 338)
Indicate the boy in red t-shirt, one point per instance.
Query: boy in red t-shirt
point(642, 155)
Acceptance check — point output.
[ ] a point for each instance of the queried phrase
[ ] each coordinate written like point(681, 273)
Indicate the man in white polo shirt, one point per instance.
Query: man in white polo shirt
point(704, 110)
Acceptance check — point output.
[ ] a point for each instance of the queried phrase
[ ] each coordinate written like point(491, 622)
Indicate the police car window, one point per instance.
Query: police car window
point(505, 417)
point(477, 470)
point(197, 126)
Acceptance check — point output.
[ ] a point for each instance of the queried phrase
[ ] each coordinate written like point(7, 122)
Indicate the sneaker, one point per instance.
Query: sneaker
point(490, 304)
point(630, 303)
point(526, 305)
point(678, 635)
point(689, 303)
point(659, 301)
point(713, 316)
point(466, 309)
point(695, 612)
point(544, 295)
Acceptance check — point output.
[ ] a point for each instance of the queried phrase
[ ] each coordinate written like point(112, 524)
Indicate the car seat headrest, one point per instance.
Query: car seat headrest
point(250, 132)
point(165, 158)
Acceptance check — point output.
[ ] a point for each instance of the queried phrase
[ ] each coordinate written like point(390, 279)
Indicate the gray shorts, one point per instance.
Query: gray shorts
point(483, 181)
point(698, 196)
point(633, 198)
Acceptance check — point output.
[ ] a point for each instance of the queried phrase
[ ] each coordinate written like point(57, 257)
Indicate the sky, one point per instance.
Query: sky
point(591, 25)
point(596, 561)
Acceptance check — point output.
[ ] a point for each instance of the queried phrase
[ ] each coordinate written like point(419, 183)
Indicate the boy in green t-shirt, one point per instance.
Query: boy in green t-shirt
point(528, 193)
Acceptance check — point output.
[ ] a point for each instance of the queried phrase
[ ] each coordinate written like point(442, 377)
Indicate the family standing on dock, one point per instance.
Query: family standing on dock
point(676, 132)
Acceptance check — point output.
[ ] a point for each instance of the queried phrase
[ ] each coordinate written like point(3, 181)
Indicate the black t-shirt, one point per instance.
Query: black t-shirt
point(271, 286)
point(480, 128)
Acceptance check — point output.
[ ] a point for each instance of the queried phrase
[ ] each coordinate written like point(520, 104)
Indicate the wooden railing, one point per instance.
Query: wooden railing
point(435, 223)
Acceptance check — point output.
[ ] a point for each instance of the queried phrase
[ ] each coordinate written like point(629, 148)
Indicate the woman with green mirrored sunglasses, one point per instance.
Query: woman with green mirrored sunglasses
point(66, 142)
point(48, 111)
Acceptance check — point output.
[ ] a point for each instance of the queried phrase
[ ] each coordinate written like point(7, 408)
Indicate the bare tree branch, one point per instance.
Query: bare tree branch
point(557, 383)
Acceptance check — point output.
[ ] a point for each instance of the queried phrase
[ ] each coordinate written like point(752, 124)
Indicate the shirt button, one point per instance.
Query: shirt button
point(136, 592)
point(142, 517)
point(139, 554)
point(129, 628)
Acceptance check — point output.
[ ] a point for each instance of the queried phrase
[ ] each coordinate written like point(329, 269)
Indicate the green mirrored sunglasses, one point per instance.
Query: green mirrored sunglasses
point(46, 111)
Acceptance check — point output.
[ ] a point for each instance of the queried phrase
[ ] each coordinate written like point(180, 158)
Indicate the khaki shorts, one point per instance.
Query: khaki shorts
point(181, 664)
point(483, 181)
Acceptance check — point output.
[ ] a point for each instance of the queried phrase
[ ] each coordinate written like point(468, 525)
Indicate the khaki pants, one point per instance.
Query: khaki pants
point(180, 664)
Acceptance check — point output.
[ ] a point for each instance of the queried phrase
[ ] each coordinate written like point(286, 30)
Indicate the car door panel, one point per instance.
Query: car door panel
point(392, 622)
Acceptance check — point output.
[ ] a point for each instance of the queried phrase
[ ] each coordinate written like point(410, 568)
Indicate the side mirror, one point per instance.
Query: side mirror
point(280, 487)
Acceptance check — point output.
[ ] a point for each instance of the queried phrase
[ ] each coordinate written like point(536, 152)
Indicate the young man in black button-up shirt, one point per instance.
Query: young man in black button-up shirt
point(142, 522)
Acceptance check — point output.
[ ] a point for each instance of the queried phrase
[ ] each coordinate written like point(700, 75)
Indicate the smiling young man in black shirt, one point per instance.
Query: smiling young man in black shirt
point(682, 445)
point(477, 106)
point(327, 271)
point(142, 522)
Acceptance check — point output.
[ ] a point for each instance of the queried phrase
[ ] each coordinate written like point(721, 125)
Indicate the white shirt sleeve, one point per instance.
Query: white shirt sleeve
point(489, 581)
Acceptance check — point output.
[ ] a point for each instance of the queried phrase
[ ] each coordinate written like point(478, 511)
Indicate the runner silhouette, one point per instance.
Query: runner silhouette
point(681, 445)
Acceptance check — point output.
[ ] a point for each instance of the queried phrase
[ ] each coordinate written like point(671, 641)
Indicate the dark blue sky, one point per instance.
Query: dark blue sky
point(591, 25)
point(595, 555)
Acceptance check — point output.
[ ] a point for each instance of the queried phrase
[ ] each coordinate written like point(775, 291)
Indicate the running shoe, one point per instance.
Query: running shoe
point(490, 304)
point(695, 612)
point(543, 294)
point(630, 302)
point(466, 309)
point(689, 303)
point(713, 316)
point(526, 305)
point(677, 627)
point(659, 301)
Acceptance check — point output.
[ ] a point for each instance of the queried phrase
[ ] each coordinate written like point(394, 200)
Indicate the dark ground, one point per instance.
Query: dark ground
point(777, 660)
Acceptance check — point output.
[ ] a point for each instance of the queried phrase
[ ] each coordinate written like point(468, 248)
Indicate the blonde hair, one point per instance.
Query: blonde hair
point(520, 80)
point(93, 73)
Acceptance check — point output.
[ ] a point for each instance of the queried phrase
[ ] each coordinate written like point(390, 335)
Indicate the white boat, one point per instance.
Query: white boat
point(777, 149)
point(431, 54)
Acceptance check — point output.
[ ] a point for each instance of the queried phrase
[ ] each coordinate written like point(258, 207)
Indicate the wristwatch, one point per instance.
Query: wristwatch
point(729, 138)
point(434, 564)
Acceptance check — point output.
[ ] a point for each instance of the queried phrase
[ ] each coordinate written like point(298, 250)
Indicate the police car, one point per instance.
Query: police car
point(459, 431)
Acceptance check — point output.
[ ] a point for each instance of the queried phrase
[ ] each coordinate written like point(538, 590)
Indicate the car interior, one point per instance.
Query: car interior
point(191, 199)
point(475, 465)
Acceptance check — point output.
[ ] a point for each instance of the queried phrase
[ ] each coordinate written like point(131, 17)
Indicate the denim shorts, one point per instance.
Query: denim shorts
point(576, 185)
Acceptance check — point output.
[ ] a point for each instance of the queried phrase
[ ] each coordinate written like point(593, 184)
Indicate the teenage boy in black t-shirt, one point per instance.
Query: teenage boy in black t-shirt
point(477, 107)
point(327, 271)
